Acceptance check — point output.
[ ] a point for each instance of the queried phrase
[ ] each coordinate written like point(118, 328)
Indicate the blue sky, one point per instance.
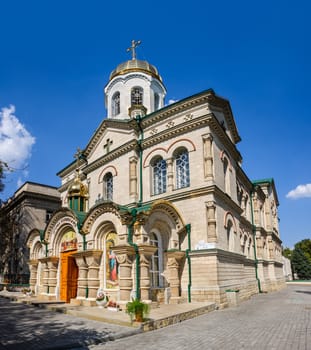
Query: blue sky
point(56, 57)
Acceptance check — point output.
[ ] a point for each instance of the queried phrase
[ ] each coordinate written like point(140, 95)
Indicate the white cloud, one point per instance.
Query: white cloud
point(172, 101)
point(15, 141)
point(301, 191)
point(19, 182)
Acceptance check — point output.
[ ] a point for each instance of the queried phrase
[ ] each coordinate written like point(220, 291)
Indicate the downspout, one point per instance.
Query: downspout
point(188, 230)
point(84, 249)
point(139, 142)
point(134, 245)
point(254, 238)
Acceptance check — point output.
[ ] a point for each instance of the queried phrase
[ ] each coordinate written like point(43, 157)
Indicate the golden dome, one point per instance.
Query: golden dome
point(77, 188)
point(135, 66)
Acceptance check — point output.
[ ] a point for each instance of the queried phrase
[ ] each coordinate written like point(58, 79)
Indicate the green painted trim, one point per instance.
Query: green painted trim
point(138, 119)
point(133, 213)
point(254, 238)
point(262, 181)
point(188, 230)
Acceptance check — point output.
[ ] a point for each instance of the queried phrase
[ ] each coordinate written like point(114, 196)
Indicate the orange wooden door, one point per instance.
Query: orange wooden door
point(69, 277)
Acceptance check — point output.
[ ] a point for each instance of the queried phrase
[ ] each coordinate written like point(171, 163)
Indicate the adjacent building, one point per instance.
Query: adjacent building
point(157, 205)
point(31, 206)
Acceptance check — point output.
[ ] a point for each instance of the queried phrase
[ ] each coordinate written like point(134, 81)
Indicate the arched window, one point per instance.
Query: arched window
point(182, 168)
point(159, 175)
point(230, 236)
point(155, 262)
point(108, 187)
point(136, 96)
point(115, 107)
point(226, 176)
point(156, 101)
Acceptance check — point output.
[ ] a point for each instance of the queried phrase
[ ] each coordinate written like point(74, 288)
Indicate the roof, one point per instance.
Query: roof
point(134, 66)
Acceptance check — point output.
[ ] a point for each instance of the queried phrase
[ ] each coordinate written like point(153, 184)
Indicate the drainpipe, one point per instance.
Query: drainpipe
point(84, 242)
point(134, 245)
point(254, 238)
point(188, 230)
point(138, 119)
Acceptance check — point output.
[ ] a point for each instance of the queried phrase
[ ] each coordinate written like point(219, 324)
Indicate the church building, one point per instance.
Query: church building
point(157, 205)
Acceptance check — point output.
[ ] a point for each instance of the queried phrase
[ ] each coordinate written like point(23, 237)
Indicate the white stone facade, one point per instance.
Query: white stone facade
point(168, 199)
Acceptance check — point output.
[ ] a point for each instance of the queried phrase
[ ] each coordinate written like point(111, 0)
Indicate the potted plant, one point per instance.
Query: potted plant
point(138, 309)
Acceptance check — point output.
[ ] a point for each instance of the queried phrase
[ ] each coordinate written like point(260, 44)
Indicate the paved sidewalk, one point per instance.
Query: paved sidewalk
point(28, 323)
point(32, 328)
point(273, 321)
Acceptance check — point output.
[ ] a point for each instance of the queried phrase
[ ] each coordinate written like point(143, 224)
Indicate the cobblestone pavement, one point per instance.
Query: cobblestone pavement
point(32, 328)
point(273, 321)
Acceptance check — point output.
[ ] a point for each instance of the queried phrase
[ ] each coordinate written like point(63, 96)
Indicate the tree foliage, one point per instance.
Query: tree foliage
point(287, 253)
point(301, 264)
point(300, 258)
point(305, 246)
point(2, 175)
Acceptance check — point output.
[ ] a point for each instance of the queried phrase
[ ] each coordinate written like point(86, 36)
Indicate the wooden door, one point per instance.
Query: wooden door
point(69, 277)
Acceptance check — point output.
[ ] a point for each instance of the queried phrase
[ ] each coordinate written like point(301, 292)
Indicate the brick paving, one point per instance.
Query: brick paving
point(274, 321)
point(31, 328)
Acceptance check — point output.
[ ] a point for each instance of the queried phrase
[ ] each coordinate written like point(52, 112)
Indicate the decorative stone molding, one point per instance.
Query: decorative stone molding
point(208, 156)
point(49, 273)
point(145, 252)
point(174, 263)
point(96, 212)
point(82, 276)
point(170, 174)
point(211, 222)
point(133, 178)
point(125, 256)
point(33, 268)
point(92, 259)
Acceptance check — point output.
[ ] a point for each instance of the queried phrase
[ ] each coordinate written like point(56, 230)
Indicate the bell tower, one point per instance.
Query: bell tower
point(134, 88)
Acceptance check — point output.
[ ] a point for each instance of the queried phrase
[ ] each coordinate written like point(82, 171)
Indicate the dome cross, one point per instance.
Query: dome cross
point(132, 48)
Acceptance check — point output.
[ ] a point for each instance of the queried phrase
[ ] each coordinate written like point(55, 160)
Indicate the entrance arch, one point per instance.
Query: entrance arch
point(68, 268)
point(69, 276)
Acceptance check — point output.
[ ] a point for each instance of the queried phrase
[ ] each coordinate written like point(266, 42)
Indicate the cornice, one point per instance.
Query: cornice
point(177, 107)
point(97, 211)
point(105, 124)
point(245, 222)
point(198, 192)
point(245, 180)
point(217, 101)
point(193, 124)
point(118, 152)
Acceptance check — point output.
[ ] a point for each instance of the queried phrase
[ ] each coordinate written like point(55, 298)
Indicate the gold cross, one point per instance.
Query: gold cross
point(78, 154)
point(133, 47)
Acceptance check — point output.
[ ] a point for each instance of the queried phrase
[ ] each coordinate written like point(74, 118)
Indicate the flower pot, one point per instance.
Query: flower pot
point(139, 316)
point(101, 303)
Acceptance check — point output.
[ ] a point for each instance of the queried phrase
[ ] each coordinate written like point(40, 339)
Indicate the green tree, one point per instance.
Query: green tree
point(287, 253)
point(305, 246)
point(2, 176)
point(301, 264)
